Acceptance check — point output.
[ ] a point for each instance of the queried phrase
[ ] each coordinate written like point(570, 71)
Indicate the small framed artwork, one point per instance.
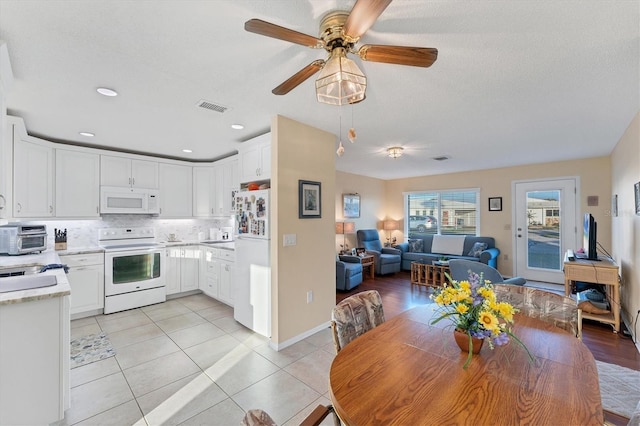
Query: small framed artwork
point(614, 205)
point(495, 204)
point(636, 190)
point(350, 205)
point(309, 198)
point(360, 251)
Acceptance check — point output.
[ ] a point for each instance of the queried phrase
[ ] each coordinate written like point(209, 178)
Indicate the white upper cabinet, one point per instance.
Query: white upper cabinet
point(230, 183)
point(32, 179)
point(77, 184)
point(203, 191)
point(126, 172)
point(176, 190)
point(255, 159)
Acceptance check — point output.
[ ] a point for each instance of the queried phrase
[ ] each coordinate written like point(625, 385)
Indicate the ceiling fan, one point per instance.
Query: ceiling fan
point(341, 81)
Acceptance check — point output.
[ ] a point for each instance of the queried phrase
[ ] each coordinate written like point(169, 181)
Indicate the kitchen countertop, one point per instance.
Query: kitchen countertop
point(62, 288)
point(80, 250)
point(221, 244)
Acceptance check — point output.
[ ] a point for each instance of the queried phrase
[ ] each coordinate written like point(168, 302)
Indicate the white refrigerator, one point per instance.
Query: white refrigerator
point(252, 298)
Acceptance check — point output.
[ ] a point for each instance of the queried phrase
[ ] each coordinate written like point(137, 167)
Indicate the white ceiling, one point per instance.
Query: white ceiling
point(516, 82)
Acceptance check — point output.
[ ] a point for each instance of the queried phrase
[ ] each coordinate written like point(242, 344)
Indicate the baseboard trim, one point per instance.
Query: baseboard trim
point(282, 345)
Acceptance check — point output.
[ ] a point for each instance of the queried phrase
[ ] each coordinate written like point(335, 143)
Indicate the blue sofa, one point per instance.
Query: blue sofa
point(348, 272)
point(412, 252)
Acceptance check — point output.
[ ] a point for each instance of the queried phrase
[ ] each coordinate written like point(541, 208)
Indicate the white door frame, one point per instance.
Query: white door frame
point(570, 232)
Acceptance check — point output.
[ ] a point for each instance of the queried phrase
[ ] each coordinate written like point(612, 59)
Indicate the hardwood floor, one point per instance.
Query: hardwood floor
point(605, 345)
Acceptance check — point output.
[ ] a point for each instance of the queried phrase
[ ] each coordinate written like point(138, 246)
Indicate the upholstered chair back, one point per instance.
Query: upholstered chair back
point(354, 316)
point(369, 239)
point(550, 307)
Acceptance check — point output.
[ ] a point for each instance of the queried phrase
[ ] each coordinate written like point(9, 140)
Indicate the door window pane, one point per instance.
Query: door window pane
point(543, 229)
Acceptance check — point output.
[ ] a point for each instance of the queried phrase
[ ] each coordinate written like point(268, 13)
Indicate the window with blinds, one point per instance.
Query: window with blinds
point(442, 212)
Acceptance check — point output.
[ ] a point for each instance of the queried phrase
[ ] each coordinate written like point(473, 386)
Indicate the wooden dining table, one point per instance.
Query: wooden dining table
point(409, 372)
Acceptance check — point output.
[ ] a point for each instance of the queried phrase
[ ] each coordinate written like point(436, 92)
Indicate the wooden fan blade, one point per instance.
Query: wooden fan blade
point(362, 17)
point(298, 77)
point(272, 30)
point(402, 55)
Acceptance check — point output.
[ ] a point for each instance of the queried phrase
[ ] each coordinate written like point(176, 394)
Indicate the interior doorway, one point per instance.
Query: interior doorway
point(545, 220)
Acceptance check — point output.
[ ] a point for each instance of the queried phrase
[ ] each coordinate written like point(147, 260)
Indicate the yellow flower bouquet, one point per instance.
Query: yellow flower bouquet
point(472, 307)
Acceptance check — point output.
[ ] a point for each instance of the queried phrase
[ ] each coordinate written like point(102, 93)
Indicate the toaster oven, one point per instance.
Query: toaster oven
point(16, 238)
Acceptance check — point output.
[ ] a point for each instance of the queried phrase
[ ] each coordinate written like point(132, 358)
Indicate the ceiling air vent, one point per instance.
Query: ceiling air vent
point(212, 106)
point(441, 158)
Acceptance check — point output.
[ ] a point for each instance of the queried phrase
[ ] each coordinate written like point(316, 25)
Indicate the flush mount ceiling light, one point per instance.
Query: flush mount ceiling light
point(87, 134)
point(341, 81)
point(188, 151)
point(395, 151)
point(237, 126)
point(106, 92)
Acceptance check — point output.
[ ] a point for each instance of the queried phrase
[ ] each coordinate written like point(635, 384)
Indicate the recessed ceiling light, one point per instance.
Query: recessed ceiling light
point(87, 134)
point(237, 126)
point(107, 92)
point(187, 151)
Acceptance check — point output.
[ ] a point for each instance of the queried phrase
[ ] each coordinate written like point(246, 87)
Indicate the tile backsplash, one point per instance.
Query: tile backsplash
point(84, 233)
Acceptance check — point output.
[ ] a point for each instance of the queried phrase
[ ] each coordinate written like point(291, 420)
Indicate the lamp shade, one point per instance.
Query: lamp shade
point(340, 81)
point(349, 227)
point(390, 225)
point(339, 228)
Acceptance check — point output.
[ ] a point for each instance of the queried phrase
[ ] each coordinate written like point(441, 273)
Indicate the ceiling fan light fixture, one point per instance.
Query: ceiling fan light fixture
point(340, 81)
point(395, 151)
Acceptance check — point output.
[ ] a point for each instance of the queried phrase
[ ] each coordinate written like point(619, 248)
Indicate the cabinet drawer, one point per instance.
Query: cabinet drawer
point(591, 275)
point(76, 260)
point(228, 255)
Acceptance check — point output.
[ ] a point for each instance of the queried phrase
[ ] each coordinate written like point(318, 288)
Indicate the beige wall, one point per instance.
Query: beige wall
point(301, 152)
point(594, 176)
point(372, 203)
point(625, 228)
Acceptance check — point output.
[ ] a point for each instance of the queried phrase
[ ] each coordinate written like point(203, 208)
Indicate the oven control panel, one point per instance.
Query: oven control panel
point(105, 234)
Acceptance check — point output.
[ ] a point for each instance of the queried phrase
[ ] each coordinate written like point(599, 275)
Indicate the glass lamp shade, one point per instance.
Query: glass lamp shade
point(340, 81)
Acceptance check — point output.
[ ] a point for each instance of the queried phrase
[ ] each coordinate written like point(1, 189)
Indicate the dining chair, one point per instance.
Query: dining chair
point(258, 417)
point(354, 316)
point(561, 311)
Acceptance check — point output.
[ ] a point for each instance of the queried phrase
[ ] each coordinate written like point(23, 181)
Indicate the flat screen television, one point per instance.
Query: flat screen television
point(590, 232)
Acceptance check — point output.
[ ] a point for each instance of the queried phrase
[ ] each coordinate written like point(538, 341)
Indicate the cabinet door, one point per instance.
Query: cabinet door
point(225, 290)
point(189, 265)
point(218, 185)
point(172, 269)
point(144, 174)
point(176, 183)
point(231, 182)
point(77, 184)
point(32, 180)
point(249, 163)
point(87, 288)
point(202, 191)
point(265, 160)
point(115, 171)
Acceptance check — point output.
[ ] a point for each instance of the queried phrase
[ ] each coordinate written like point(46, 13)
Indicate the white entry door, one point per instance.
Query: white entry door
point(545, 218)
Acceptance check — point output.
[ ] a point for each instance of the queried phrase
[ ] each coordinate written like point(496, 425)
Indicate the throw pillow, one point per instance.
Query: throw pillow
point(477, 249)
point(415, 246)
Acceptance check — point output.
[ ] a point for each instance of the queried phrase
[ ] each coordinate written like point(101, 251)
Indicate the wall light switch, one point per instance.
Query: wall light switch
point(289, 240)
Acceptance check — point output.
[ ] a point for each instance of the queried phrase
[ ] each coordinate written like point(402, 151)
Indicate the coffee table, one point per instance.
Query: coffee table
point(429, 275)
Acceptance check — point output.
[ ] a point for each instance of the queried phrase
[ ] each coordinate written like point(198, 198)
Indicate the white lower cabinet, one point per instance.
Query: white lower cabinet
point(86, 278)
point(34, 361)
point(181, 268)
point(216, 276)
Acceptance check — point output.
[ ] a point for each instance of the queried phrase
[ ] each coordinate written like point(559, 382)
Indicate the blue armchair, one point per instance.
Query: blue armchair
point(460, 269)
point(348, 272)
point(387, 259)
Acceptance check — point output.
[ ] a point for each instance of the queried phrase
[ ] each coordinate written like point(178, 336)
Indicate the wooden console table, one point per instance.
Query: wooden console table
point(428, 275)
point(368, 261)
point(598, 272)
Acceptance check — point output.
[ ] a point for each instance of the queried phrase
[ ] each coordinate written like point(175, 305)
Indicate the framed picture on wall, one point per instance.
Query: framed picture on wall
point(350, 205)
point(495, 204)
point(636, 190)
point(309, 206)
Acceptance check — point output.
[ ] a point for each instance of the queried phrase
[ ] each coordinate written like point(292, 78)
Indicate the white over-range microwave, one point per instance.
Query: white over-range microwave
point(120, 200)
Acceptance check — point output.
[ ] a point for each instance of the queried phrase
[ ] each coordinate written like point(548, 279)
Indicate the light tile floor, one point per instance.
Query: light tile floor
point(188, 362)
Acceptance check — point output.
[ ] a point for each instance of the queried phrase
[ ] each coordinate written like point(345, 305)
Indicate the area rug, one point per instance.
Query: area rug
point(619, 388)
point(91, 348)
